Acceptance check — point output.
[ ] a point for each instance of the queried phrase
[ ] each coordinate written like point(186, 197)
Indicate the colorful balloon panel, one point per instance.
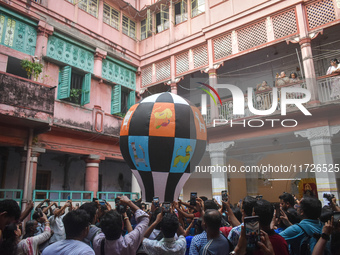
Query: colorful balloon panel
point(162, 139)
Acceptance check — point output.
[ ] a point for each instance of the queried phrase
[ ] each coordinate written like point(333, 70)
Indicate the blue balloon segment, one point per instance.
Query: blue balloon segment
point(139, 152)
point(183, 151)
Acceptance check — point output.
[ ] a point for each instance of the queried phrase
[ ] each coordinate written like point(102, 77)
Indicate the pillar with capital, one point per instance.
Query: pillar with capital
point(31, 174)
point(218, 155)
point(306, 53)
point(98, 61)
point(92, 173)
point(320, 139)
point(44, 31)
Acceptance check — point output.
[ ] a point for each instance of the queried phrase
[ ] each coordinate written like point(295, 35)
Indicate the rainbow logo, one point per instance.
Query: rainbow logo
point(208, 92)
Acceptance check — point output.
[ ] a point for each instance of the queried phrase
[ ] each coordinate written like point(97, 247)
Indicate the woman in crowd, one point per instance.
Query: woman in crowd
point(335, 84)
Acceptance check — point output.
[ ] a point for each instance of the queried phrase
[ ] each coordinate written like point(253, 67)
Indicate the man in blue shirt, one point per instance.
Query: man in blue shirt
point(309, 211)
point(217, 244)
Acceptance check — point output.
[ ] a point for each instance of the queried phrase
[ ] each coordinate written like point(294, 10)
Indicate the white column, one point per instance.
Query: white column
point(252, 178)
point(320, 141)
point(219, 180)
point(135, 186)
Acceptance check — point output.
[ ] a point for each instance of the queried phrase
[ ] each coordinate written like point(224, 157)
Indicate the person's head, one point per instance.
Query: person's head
point(210, 204)
point(9, 212)
point(293, 216)
point(212, 220)
point(76, 224)
point(283, 74)
point(203, 198)
point(111, 225)
point(237, 212)
point(30, 228)
point(334, 62)
point(169, 225)
point(265, 211)
point(91, 210)
point(10, 237)
point(309, 208)
point(286, 201)
point(248, 204)
point(36, 216)
point(293, 75)
point(264, 83)
point(102, 209)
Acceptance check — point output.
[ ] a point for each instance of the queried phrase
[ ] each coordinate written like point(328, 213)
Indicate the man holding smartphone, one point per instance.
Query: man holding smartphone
point(310, 211)
point(264, 210)
point(167, 245)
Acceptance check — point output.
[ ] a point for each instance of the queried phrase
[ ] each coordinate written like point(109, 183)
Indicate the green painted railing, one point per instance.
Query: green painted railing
point(110, 196)
point(62, 196)
point(15, 194)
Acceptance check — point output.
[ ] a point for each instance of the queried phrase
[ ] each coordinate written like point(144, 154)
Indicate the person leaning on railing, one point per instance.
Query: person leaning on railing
point(335, 84)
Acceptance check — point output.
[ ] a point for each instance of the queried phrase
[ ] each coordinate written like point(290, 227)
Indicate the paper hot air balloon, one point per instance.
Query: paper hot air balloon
point(162, 139)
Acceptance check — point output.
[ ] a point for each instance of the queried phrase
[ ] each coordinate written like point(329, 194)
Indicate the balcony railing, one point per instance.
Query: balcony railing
point(110, 196)
point(325, 84)
point(61, 196)
point(15, 194)
point(262, 100)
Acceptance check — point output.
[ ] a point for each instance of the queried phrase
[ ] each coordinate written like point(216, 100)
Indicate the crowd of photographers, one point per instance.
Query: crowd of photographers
point(199, 226)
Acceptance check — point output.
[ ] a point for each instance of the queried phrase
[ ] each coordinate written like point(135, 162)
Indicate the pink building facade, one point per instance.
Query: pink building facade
point(101, 56)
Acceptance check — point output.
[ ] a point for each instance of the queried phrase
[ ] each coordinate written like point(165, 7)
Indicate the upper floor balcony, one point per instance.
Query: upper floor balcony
point(328, 91)
point(25, 101)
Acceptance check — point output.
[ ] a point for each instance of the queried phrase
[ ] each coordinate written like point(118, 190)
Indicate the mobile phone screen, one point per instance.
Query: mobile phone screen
point(102, 202)
point(252, 227)
point(193, 196)
point(277, 211)
point(166, 207)
point(336, 219)
point(224, 194)
point(156, 201)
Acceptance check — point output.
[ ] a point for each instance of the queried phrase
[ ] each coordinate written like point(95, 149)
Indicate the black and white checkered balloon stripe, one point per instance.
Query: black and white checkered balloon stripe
point(162, 163)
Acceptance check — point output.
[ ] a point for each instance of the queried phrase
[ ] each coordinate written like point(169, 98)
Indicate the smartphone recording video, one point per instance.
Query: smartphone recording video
point(336, 219)
point(224, 195)
point(156, 201)
point(193, 196)
point(277, 210)
point(252, 227)
point(166, 207)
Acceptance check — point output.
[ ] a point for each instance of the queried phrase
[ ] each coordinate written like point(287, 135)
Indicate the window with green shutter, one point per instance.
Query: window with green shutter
point(122, 99)
point(74, 87)
point(116, 99)
point(131, 99)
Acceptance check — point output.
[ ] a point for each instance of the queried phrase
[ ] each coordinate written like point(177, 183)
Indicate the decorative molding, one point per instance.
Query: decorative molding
point(219, 147)
point(100, 54)
point(44, 29)
point(70, 54)
point(118, 74)
point(319, 135)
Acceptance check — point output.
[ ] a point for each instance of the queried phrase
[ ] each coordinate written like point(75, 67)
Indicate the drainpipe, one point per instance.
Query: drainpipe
point(27, 171)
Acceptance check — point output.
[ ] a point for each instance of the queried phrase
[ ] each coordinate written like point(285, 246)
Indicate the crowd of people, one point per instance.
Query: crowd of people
point(253, 226)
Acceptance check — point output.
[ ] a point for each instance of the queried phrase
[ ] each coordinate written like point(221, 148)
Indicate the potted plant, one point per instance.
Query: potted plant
point(33, 69)
point(75, 96)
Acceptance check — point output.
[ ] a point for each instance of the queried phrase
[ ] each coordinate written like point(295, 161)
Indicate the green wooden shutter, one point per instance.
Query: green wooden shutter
point(116, 99)
point(64, 82)
point(85, 90)
point(131, 99)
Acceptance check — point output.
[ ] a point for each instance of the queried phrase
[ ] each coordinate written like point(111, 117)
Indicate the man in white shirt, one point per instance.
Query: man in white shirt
point(76, 225)
point(168, 245)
